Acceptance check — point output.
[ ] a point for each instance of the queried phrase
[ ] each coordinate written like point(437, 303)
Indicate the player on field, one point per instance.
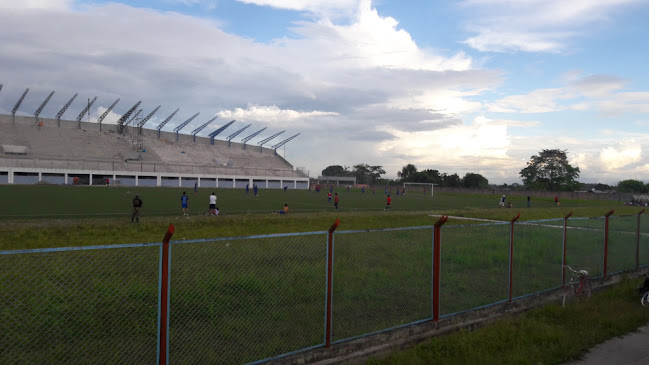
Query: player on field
point(137, 204)
point(502, 201)
point(213, 209)
point(329, 197)
point(387, 203)
point(184, 203)
point(336, 201)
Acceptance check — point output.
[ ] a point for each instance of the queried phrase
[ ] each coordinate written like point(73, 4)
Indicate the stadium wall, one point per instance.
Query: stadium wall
point(110, 155)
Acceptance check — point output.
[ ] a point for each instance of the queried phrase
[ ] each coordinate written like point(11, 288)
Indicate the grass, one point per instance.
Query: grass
point(242, 299)
point(547, 335)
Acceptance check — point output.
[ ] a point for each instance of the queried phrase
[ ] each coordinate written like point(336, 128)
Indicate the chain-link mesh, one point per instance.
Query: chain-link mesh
point(94, 306)
point(644, 240)
point(622, 240)
point(585, 245)
point(474, 266)
point(538, 254)
point(241, 300)
point(382, 279)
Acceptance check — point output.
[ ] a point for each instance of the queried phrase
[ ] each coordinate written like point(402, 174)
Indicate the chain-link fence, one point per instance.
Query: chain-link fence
point(250, 299)
point(79, 306)
point(240, 300)
point(474, 266)
point(622, 243)
point(585, 245)
point(382, 279)
point(537, 256)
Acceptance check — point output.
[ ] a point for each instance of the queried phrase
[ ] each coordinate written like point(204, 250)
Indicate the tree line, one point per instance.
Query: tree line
point(549, 170)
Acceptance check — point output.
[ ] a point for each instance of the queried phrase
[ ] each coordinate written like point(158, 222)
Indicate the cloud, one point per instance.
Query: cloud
point(270, 114)
point(316, 6)
point(17, 5)
point(537, 101)
point(536, 25)
point(624, 154)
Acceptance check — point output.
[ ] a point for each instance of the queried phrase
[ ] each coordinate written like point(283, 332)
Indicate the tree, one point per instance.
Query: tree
point(407, 171)
point(366, 174)
point(452, 181)
point(631, 186)
point(336, 170)
point(475, 181)
point(550, 170)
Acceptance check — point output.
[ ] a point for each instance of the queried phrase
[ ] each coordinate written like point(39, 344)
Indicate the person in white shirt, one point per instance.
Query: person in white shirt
point(213, 208)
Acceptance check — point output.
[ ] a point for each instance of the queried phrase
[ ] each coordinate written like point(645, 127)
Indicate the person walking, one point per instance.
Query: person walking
point(137, 204)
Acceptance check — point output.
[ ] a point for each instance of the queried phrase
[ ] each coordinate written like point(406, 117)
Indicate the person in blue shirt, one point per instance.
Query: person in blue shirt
point(254, 188)
point(184, 203)
point(196, 187)
point(363, 190)
point(247, 189)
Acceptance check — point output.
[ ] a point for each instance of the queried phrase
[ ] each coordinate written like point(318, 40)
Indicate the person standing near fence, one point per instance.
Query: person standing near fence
point(336, 201)
point(137, 204)
point(529, 198)
point(556, 200)
point(387, 203)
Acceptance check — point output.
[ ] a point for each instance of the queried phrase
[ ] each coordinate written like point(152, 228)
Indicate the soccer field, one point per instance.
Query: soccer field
point(60, 202)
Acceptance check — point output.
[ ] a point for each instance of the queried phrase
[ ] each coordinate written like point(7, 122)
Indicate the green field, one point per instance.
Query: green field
point(245, 299)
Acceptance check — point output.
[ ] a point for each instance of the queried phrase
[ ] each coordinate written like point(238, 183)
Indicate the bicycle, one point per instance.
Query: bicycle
point(581, 289)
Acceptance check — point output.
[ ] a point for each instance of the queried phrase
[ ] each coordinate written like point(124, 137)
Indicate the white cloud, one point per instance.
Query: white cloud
point(537, 101)
point(35, 4)
point(270, 114)
point(624, 154)
point(317, 6)
point(536, 25)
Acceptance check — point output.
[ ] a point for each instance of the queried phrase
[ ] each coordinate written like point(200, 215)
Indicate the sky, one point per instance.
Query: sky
point(464, 86)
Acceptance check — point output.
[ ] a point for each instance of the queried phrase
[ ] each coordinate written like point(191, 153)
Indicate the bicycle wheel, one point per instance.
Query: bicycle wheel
point(568, 294)
point(645, 299)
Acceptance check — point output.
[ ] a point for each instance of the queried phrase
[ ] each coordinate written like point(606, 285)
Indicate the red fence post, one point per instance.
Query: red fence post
point(330, 277)
point(163, 317)
point(565, 241)
point(511, 255)
point(637, 243)
point(607, 215)
point(437, 260)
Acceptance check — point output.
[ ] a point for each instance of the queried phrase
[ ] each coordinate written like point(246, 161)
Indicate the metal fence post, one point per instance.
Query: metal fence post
point(565, 241)
point(437, 260)
point(330, 279)
point(607, 215)
point(637, 242)
point(163, 297)
point(511, 255)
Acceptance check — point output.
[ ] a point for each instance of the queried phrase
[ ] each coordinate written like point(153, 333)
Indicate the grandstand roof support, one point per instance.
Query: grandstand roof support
point(65, 107)
point(85, 110)
point(120, 122)
point(218, 131)
point(197, 130)
point(101, 117)
point(159, 127)
point(246, 139)
point(146, 119)
point(181, 126)
point(262, 142)
point(40, 108)
point(275, 147)
point(235, 134)
point(15, 109)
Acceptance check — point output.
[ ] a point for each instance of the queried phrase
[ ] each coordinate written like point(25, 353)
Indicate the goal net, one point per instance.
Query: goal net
point(423, 188)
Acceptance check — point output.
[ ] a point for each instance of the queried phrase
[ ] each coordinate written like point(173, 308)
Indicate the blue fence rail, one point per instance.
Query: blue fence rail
point(256, 298)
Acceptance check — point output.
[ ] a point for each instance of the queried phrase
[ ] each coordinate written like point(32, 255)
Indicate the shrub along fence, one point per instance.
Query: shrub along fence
point(257, 298)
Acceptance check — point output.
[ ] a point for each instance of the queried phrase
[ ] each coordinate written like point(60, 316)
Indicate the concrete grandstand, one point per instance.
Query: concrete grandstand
point(38, 150)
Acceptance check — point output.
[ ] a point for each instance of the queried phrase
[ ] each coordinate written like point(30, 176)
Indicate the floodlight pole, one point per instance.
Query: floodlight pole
point(84, 111)
point(101, 117)
point(65, 107)
point(15, 108)
point(40, 108)
point(159, 127)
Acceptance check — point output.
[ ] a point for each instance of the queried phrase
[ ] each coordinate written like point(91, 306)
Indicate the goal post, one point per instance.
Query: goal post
point(425, 188)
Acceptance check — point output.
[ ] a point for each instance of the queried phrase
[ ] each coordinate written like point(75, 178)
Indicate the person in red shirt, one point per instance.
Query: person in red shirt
point(329, 197)
point(387, 203)
point(336, 201)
